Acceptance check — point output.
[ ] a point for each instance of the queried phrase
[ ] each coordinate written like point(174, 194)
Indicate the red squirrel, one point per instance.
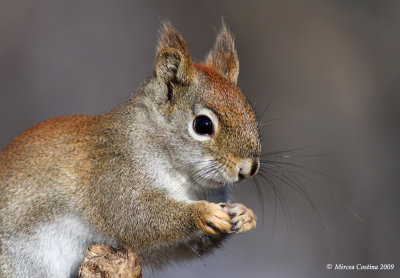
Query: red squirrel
point(153, 173)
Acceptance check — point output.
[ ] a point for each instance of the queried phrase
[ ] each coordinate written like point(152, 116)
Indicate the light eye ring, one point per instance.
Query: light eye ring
point(208, 116)
point(203, 125)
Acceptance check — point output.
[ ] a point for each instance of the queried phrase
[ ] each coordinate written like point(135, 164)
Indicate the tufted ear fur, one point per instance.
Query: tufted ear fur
point(173, 60)
point(223, 56)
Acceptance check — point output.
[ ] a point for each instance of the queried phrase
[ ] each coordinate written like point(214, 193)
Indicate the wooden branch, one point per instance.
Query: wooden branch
point(103, 261)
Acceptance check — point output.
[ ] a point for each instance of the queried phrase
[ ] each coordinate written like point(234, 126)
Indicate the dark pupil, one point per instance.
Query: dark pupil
point(203, 125)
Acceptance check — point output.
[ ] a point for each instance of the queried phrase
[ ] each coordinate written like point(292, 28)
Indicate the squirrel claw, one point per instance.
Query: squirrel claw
point(242, 218)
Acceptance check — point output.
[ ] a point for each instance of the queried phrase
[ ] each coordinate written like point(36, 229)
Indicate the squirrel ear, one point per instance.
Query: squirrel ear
point(173, 60)
point(223, 57)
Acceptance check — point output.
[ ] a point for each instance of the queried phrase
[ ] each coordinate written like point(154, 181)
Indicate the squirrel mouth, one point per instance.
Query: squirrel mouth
point(213, 174)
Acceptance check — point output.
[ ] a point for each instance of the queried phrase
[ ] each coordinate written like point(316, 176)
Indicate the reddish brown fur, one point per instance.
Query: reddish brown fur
point(48, 133)
point(235, 113)
point(223, 95)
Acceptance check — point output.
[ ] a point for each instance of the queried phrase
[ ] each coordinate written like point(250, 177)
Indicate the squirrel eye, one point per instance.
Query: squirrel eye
point(203, 125)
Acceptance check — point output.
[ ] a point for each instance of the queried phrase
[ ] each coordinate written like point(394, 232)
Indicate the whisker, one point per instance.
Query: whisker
point(350, 209)
point(269, 103)
point(260, 201)
point(269, 154)
point(274, 218)
point(295, 183)
point(301, 171)
point(281, 200)
point(312, 155)
point(311, 170)
point(190, 166)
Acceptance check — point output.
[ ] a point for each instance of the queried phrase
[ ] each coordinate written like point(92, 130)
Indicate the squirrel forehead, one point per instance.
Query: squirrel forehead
point(225, 98)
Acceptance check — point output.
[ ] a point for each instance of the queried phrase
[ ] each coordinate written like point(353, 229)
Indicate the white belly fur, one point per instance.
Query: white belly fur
point(56, 249)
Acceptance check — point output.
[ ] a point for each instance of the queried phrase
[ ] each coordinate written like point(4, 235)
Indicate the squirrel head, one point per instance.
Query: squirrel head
point(200, 116)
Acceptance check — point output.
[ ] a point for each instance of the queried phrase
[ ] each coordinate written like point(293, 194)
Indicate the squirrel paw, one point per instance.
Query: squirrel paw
point(212, 218)
point(242, 218)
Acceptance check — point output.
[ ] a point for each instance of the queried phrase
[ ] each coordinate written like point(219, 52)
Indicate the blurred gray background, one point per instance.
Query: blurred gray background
point(329, 71)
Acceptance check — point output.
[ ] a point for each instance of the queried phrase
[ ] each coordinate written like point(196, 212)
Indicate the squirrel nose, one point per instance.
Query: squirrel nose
point(248, 168)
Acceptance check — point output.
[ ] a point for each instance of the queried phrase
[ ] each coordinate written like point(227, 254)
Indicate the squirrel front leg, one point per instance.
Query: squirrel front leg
point(157, 219)
point(180, 220)
point(169, 220)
